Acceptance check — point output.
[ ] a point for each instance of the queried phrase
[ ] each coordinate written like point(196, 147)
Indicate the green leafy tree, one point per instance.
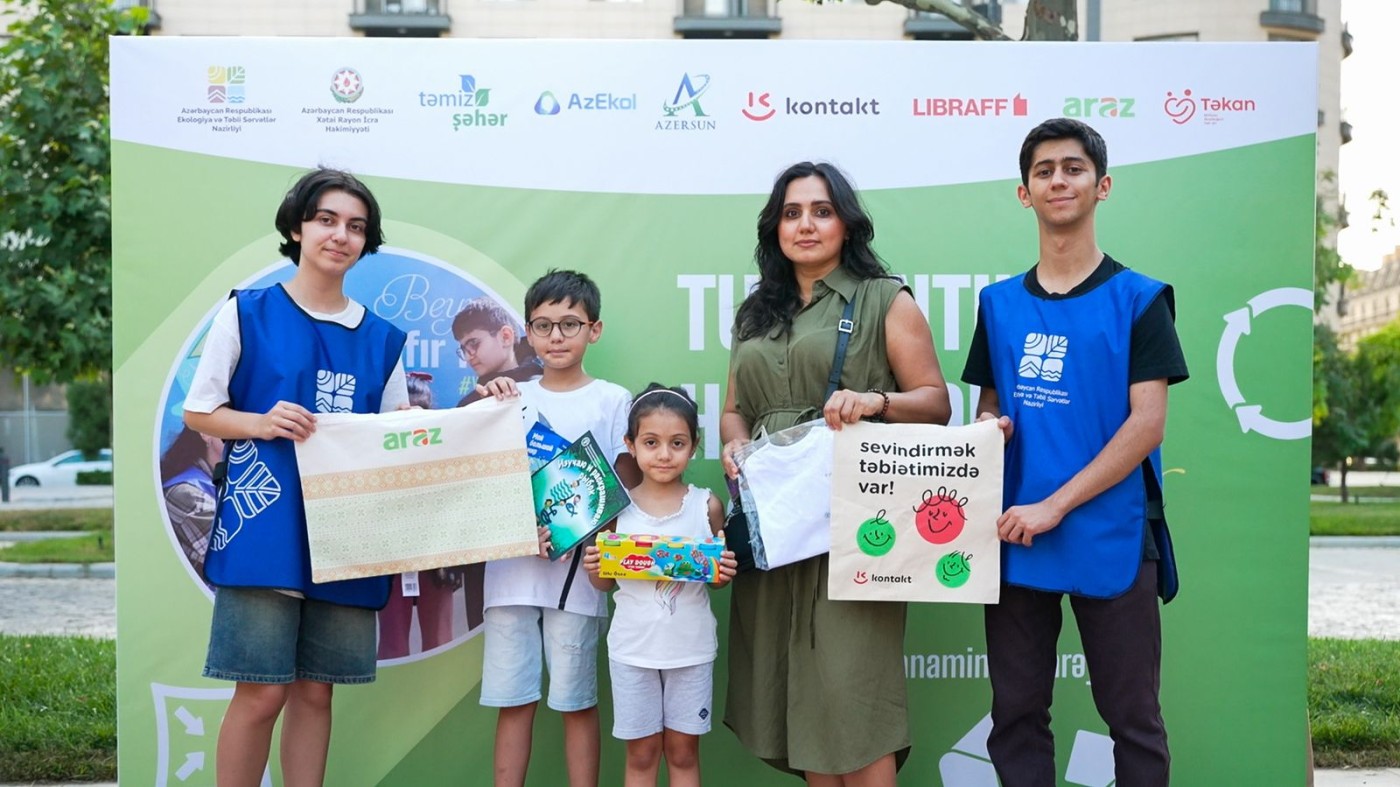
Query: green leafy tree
point(90, 415)
point(1359, 412)
point(55, 187)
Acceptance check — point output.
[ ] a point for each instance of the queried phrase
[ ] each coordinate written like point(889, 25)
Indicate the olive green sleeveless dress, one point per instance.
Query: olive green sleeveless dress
point(814, 685)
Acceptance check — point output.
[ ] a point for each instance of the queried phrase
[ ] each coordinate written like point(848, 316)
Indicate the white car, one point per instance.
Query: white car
point(62, 470)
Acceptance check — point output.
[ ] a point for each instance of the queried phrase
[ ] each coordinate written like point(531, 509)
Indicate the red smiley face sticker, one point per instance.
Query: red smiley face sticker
point(939, 518)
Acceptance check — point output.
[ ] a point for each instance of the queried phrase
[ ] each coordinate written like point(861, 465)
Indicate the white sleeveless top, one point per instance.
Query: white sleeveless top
point(664, 625)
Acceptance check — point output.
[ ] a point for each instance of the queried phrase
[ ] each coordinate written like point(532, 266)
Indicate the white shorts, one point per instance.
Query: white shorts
point(647, 700)
point(511, 668)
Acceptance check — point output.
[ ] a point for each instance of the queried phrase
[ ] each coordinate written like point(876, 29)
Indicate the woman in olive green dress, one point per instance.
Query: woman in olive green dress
point(816, 686)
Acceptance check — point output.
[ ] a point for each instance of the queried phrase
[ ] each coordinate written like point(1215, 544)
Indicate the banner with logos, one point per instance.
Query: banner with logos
point(645, 164)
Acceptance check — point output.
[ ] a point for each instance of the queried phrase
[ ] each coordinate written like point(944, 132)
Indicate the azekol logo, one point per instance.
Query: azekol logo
point(396, 441)
point(687, 101)
point(1106, 107)
point(547, 104)
point(468, 96)
point(586, 102)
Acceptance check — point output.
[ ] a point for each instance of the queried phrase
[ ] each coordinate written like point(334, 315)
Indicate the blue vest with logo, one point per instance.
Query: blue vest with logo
point(1061, 372)
point(259, 538)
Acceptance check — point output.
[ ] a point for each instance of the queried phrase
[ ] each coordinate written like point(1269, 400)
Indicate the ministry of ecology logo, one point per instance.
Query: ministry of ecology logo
point(226, 84)
point(687, 99)
point(347, 86)
point(397, 441)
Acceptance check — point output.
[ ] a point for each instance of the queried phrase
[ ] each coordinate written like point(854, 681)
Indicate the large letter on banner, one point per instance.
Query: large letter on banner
point(415, 490)
point(914, 512)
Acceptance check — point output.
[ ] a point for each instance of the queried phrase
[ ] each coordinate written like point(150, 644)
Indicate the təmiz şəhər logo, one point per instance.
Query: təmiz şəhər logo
point(759, 106)
point(687, 102)
point(470, 97)
point(971, 107)
point(548, 103)
point(396, 441)
point(1185, 107)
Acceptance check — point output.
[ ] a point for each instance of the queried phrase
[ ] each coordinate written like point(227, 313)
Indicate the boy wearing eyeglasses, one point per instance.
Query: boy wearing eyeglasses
point(534, 615)
point(489, 342)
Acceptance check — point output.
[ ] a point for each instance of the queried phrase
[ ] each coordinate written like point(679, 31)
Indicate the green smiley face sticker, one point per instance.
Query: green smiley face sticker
point(875, 537)
point(954, 569)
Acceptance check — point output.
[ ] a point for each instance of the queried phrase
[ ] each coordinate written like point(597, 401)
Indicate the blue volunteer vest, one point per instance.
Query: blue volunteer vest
point(260, 534)
point(1061, 373)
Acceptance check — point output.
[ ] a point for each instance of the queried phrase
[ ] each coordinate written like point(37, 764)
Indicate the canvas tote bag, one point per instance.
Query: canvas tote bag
point(914, 511)
point(412, 490)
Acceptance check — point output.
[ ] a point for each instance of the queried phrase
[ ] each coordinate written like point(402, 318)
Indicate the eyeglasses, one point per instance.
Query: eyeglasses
point(468, 347)
point(568, 327)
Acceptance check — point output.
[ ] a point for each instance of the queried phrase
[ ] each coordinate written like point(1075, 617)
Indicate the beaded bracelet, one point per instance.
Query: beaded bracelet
point(884, 409)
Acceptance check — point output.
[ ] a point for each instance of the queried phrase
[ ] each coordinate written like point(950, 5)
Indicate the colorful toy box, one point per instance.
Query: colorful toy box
point(667, 558)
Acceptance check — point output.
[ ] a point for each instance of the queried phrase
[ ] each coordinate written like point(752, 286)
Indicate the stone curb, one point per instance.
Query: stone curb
point(1354, 542)
point(58, 570)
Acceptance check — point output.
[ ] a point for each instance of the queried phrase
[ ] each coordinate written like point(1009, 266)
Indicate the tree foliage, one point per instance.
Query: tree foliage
point(55, 187)
point(1359, 412)
point(1046, 20)
point(90, 415)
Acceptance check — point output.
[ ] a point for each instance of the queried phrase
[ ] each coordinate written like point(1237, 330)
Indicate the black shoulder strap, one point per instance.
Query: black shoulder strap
point(843, 338)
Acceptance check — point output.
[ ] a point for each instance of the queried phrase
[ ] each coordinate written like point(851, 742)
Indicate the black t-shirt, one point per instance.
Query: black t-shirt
point(1154, 353)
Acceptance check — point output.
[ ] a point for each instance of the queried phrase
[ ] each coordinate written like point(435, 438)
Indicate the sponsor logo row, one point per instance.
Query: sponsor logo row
point(467, 104)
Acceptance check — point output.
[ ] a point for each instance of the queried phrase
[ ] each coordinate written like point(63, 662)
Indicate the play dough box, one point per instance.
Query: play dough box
point(668, 558)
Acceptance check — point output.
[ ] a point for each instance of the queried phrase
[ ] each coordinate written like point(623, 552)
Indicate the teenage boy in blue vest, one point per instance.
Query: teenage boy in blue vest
point(541, 613)
point(274, 358)
point(1074, 358)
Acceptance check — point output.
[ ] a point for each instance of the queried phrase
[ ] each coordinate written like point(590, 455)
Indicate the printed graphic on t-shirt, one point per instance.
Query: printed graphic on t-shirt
point(1044, 356)
point(665, 594)
point(252, 488)
point(335, 392)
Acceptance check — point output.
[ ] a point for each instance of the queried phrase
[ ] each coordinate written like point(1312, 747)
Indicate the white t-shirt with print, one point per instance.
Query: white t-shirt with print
point(599, 407)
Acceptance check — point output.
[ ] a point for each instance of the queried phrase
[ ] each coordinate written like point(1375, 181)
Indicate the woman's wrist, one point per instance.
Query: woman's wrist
point(884, 411)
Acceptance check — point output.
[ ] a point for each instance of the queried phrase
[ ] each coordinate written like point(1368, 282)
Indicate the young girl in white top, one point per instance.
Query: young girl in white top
point(662, 645)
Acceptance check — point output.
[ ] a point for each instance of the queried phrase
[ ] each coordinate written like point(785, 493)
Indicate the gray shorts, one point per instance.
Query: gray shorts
point(263, 636)
point(647, 700)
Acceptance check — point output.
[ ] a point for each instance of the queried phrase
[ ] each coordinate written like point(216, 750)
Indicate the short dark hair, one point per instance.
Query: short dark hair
point(569, 287)
point(1065, 128)
point(675, 400)
point(775, 299)
point(305, 196)
point(483, 313)
point(420, 389)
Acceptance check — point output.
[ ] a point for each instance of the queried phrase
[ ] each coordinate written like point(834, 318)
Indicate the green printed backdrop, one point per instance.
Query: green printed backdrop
point(1222, 226)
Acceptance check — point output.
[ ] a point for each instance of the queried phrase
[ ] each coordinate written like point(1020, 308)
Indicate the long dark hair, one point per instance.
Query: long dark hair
point(186, 450)
point(775, 299)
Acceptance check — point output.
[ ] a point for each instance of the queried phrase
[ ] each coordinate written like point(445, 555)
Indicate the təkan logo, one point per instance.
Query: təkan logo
point(397, 441)
point(1181, 109)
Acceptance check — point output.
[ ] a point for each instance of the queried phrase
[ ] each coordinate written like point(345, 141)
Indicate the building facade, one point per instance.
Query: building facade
point(1370, 303)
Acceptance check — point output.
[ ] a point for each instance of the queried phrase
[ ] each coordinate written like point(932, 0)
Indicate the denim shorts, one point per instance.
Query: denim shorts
point(263, 636)
point(517, 636)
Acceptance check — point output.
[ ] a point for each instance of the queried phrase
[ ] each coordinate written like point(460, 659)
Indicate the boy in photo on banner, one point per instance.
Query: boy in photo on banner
point(534, 608)
point(662, 643)
point(275, 357)
point(1074, 358)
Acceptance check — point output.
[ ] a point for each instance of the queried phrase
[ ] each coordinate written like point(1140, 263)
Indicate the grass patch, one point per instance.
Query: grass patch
point(1363, 491)
point(90, 548)
point(57, 519)
point(1354, 702)
point(1355, 519)
point(58, 709)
